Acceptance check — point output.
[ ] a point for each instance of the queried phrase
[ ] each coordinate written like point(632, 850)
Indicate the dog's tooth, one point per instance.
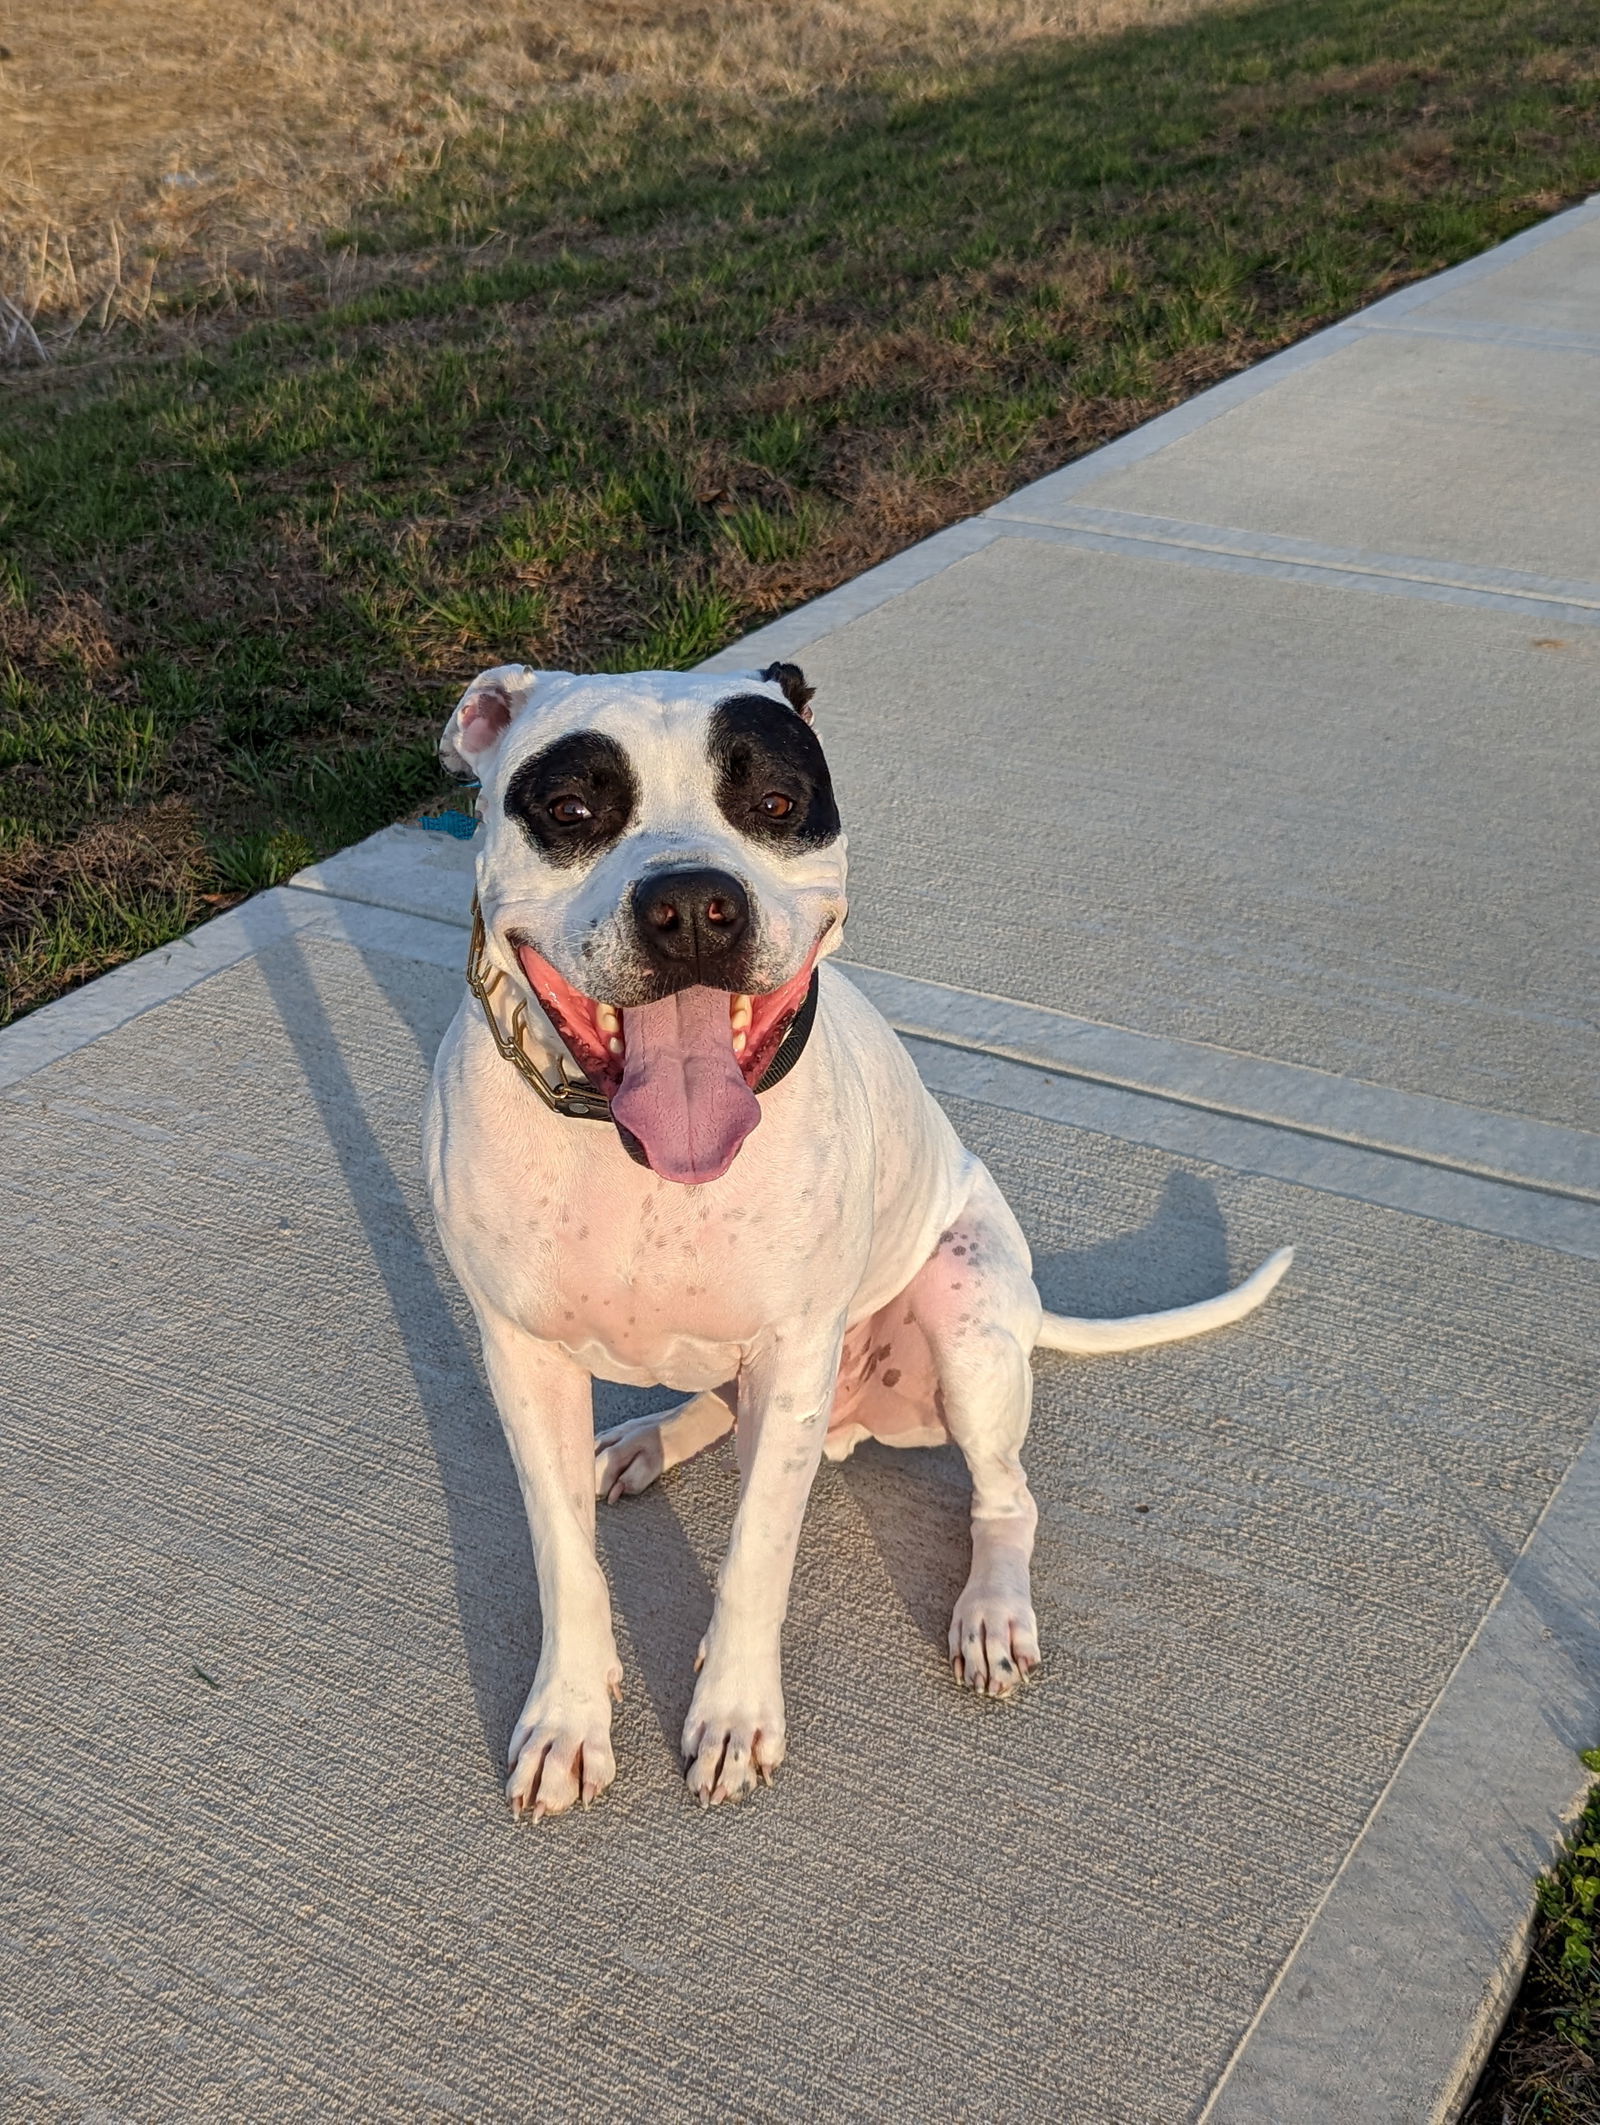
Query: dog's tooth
point(739, 1043)
point(739, 1011)
point(614, 1045)
point(606, 1018)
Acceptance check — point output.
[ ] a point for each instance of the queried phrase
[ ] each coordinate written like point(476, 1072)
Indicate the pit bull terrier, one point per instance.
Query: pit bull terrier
point(669, 1145)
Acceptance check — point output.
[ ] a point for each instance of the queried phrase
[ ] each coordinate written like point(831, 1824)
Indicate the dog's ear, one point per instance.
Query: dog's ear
point(795, 690)
point(483, 715)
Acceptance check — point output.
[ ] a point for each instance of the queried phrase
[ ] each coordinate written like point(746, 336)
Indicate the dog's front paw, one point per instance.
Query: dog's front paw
point(733, 1736)
point(561, 1749)
point(994, 1640)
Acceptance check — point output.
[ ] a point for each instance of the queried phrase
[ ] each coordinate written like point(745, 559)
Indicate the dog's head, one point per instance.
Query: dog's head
point(662, 867)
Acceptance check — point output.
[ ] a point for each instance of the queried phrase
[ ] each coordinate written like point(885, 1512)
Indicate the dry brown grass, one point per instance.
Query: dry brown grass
point(151, 146)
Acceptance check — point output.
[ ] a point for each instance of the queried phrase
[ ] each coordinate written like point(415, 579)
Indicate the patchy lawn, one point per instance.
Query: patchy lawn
point(625, 375)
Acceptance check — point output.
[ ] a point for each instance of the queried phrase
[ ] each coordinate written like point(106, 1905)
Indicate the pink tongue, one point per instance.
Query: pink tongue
point(683, 1094)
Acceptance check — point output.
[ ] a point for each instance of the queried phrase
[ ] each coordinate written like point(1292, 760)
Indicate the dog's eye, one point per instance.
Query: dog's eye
point(568, 811)
point(776, 805)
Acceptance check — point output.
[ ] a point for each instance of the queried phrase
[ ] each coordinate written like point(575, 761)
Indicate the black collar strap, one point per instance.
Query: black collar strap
point(575, 1097)
point(793, 1044)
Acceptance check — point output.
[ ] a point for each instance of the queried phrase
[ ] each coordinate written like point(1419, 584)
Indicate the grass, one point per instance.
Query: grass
point(1546, 2068)
point(641, 368)
point(151, 147)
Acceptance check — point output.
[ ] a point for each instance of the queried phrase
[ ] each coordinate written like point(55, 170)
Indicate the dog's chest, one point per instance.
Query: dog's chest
point(640, 1278)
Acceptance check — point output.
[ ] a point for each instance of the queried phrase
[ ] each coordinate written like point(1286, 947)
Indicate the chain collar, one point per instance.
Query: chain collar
point(572, 1096)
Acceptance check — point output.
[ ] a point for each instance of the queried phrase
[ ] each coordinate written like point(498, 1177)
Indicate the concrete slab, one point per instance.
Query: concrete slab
point(275, 1610)
point(1553, 287)
point(1405, 444)
point(413, 869)
point(1349, 833)
point(1353, 2024)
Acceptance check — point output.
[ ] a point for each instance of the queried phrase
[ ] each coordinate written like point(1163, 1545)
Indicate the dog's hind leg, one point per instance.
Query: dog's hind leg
point(976, 1302)
point(629, 1457)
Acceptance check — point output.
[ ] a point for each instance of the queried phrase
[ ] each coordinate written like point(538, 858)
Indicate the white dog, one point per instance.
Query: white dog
point(666, 1145)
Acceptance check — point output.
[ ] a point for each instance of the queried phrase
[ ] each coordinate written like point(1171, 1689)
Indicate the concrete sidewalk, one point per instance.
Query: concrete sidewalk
point(1221, 817)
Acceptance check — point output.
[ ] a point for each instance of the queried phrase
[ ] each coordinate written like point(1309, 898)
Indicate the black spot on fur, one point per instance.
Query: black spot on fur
point(587, 767)
point(760, 750)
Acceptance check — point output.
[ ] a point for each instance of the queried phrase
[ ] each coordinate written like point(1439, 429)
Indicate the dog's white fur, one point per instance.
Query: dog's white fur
point(852, 1229)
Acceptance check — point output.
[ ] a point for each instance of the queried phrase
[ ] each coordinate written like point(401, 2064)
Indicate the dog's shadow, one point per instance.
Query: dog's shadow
point(915, 1504)
point(660, 1588)
point(658, 1584)
point(1178, 1255)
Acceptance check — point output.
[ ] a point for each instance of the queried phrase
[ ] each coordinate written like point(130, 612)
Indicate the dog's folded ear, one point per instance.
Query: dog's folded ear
point(483, 715)
point(795, 690)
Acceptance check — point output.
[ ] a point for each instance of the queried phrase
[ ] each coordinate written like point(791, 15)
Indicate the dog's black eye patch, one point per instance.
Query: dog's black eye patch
point(575, 798)
point(773, 784)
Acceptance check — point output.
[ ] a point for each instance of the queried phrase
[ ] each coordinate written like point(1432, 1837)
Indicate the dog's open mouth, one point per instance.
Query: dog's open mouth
point(680, 1074)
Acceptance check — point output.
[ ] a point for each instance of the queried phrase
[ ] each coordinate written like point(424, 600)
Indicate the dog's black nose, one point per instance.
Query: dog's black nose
point(691, 920)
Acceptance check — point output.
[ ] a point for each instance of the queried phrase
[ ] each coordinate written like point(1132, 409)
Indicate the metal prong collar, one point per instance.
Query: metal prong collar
point(573, 1096)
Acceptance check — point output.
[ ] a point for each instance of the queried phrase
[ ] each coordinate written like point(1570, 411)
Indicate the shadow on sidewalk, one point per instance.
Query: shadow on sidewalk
point(657, 1580)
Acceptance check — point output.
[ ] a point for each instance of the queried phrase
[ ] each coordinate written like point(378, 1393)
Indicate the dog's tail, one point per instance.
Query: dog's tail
point(1138, 1330)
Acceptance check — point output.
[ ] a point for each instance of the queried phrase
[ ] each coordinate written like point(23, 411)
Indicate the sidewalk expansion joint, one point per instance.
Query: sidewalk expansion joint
point(1510, 1150)
point(1573, 602)
point(1232, 1112)
point(1538, 339)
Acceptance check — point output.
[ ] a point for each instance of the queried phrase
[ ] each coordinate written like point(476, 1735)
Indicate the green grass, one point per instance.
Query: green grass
point(632, 377)
point(1546, 2068)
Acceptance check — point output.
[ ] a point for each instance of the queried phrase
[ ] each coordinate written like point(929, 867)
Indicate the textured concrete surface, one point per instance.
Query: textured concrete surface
point(1524, 1697)
point(1222, 908)
point(405, 867)
point(279, 1613)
